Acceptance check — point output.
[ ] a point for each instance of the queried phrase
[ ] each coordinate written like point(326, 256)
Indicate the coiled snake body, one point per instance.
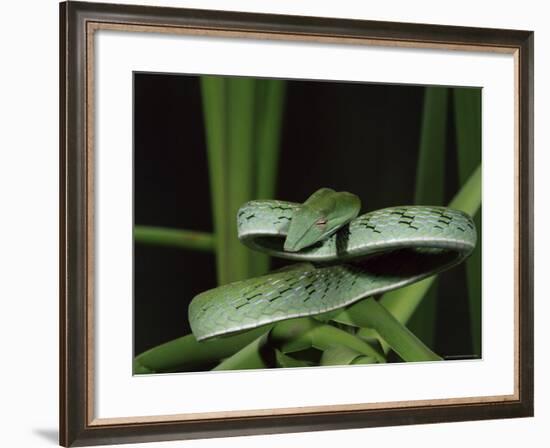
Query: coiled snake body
point(348, 258)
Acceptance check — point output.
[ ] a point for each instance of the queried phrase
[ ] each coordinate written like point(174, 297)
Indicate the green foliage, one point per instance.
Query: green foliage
point(468, 139)
point(253, 356)
point(430, 186)
point(341, 356)
point(186, 353)
point(214, 110)
point(404, 301)
point(369, 313)
point(161, 236)
point(243, 119)
point(274, 347)
point(287, 361)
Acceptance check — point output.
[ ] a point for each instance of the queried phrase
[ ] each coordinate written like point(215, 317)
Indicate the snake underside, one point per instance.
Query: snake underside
point(375, 253)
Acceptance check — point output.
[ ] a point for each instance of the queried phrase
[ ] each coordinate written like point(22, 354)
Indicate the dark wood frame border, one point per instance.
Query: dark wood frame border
point(77, 22)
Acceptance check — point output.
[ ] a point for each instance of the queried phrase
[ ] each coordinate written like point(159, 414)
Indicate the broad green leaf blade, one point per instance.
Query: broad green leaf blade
point(430, 168)
point(162, 236)
point(243, 119)
point(240, 121)
point(213, 89)
point(473, 273)
point(468, 199)
point(363, 360)
point(468, 138)
point(269, 118)
point(310, 356)
point(430, 183)
point(186, 353)
point(371, 336)
point(256, 355)
point(270, 95)
point(403, 302)
point(325, 336)
point(340, 356)
point(371, 314)
point(294, 335)
point(286, 361)
point(138, 369)
point(423, 321)
point(467, 102)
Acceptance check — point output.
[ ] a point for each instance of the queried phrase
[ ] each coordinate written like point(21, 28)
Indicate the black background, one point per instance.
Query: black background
point(358, 137)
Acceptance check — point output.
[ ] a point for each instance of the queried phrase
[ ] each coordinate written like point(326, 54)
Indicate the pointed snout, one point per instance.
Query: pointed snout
point(301, 233)
point(294, 243)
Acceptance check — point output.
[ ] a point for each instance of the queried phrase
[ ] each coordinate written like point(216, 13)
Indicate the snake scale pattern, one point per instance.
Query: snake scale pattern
point(371, 254)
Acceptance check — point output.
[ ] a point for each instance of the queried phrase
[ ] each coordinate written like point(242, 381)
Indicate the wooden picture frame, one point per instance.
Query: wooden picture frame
point(78, 23)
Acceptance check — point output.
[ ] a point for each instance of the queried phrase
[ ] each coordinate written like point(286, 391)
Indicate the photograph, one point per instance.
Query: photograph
point(275, 223)
point(301, 223)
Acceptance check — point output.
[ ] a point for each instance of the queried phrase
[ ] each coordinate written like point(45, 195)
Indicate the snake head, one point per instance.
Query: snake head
point(322, 214)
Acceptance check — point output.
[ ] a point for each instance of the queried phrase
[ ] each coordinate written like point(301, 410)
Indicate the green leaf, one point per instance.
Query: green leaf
point(341, 356)
point(270, 94)
point(269, 117)
point(213, 90)
point(240, 105)
point(299, 334)
point(243, 118)
point(371, 314)
point(187, 239)
point(286, 361)
point(363, 360)
point(430, 169)
point(468, 139)
point(325, 336)
point(256, 355)
point(371, 336)
point(186, 353)
point(430, 183)
point(468, 199)
point(292, 335)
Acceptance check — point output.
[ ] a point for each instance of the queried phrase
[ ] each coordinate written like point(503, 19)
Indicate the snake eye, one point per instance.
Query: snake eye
point(321, 222)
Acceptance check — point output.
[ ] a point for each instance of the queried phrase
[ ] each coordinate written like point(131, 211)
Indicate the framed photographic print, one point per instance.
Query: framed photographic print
point(276, 223)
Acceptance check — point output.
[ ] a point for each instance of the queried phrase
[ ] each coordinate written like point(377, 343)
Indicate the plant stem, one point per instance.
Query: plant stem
point(187, 353)
point(252, 356)
point(468, 199)
point(240, 93)
point(326, 336)
point(302, 333)
point(286, 361)
point(341, 356)
point(214, 110)
point(270, 102)
point(163, 236)
point(369, 313)
point(267, 135)
point(430, 173)
point(468, 140)
point(430, 169)
point(243, 119)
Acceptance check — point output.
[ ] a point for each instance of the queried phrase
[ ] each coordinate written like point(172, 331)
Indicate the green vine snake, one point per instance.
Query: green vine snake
point(345, 258)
